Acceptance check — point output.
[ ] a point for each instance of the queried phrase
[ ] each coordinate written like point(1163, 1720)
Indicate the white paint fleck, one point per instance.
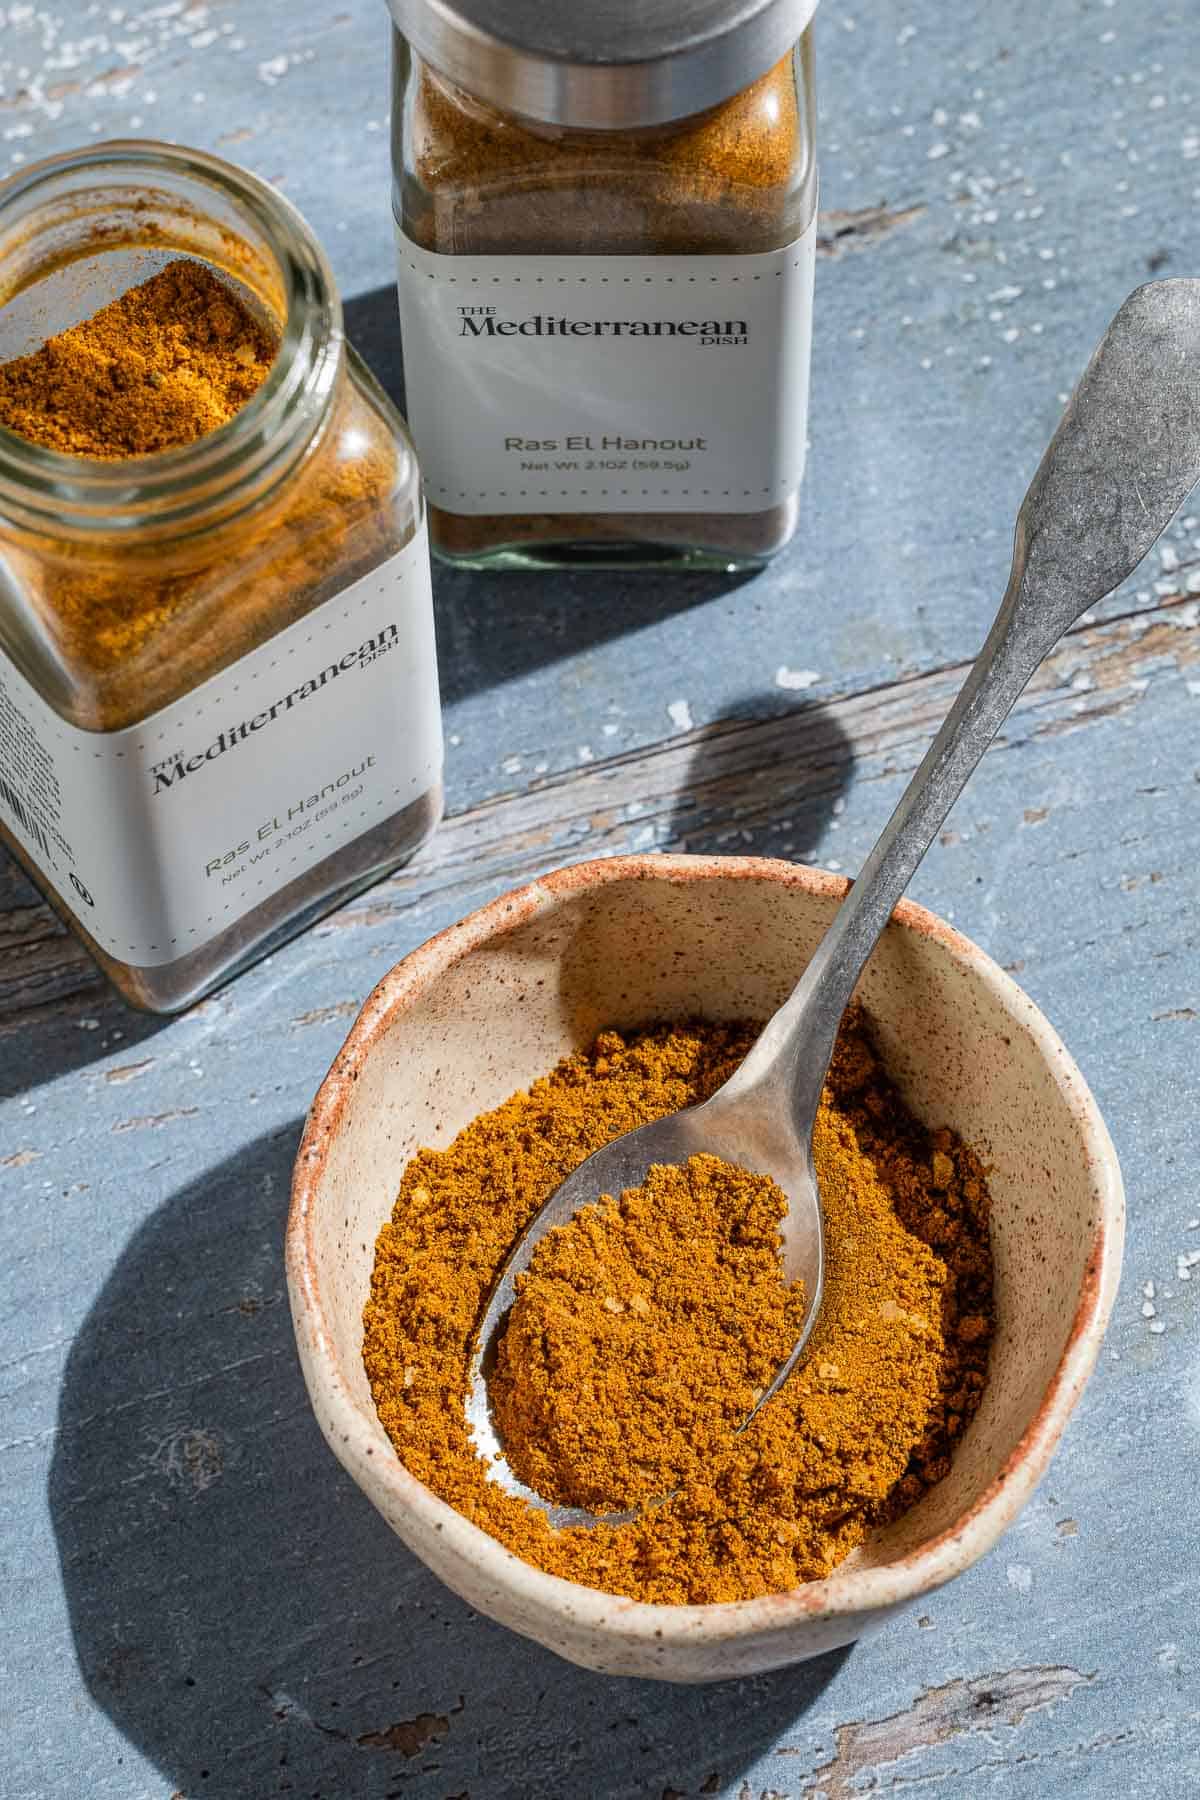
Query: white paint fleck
point(1020, 1576)
point(937, 151)
point(680, 715)
point(585, 753)
point(1158, 1327)
point(511, 765)
point(794, 679)
point(1148, 1289)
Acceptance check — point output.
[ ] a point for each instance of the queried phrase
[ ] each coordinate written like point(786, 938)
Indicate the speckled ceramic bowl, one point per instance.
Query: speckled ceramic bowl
point(493, 1002)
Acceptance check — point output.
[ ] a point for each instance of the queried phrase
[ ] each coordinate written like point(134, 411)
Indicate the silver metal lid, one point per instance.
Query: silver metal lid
point(602, 64)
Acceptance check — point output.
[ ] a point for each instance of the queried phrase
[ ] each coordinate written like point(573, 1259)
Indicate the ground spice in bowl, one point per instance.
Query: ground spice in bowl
point(895, 1368)
point(624, 1367)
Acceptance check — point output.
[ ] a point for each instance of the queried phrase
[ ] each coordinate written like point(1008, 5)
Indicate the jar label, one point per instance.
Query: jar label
point(615, 384)
point(161, 836)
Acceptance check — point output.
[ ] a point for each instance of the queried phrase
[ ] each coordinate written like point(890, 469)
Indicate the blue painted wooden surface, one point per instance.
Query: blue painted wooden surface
point(197, 1602)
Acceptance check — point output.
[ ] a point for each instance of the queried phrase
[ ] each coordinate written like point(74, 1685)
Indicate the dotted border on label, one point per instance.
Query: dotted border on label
point(781, 490)
point(420, 784)
point(600, 280)
point(65, 733)
point(442, 495)
point(323, 618)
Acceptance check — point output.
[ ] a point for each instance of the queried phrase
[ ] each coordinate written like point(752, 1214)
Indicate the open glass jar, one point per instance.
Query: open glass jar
point(607, 225)
point(219, 709)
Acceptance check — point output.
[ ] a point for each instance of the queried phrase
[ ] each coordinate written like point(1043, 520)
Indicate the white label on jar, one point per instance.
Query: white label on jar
point(615, 384)
point(163, 835)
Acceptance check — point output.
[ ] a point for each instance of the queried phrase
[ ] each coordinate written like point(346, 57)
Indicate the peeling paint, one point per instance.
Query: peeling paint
point(935, 1716)
point(192, 1457)
point(128, 1071)
point(321, 1015)
point(20, 1159)
point(409, 1736)
point(154, 1121)
point(838, 232)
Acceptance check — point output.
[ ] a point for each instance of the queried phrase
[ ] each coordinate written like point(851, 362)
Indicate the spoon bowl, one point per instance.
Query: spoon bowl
point(768, 1141)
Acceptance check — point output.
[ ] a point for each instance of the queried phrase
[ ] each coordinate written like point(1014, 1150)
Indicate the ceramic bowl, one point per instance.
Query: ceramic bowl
point(493, 1002)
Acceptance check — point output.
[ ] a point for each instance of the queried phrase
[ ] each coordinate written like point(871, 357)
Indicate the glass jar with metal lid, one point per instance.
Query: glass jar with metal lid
point(607, 223)
point(219, 709)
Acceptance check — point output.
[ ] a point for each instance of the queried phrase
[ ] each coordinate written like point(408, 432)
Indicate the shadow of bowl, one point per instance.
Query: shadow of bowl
point(242, 1613)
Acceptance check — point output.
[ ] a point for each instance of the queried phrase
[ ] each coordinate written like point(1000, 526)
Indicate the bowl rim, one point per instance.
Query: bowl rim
point(851, 1589)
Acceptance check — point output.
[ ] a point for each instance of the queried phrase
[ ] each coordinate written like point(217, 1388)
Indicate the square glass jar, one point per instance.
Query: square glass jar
point(218, 688)
point(526, 172)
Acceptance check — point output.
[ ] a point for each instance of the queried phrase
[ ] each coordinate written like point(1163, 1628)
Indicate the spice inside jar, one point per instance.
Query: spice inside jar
point(606, 263)
point(219, 709)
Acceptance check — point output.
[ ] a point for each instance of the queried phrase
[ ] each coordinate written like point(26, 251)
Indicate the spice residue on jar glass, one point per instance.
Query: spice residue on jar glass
point(606, 263)
point(628, 1356)
point(219, 711)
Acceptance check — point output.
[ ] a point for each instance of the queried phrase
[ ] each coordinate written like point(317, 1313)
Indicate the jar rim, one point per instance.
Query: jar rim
point(183, 486)
point(596, 68)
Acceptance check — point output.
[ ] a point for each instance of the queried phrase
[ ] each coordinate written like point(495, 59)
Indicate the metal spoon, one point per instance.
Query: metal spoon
point(1125, 456)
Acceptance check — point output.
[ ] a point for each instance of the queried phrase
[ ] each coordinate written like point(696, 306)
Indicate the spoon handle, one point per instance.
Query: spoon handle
point(1125, 456)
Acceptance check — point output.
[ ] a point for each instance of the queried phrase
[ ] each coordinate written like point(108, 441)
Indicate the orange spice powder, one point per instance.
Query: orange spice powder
point(894, 1371)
